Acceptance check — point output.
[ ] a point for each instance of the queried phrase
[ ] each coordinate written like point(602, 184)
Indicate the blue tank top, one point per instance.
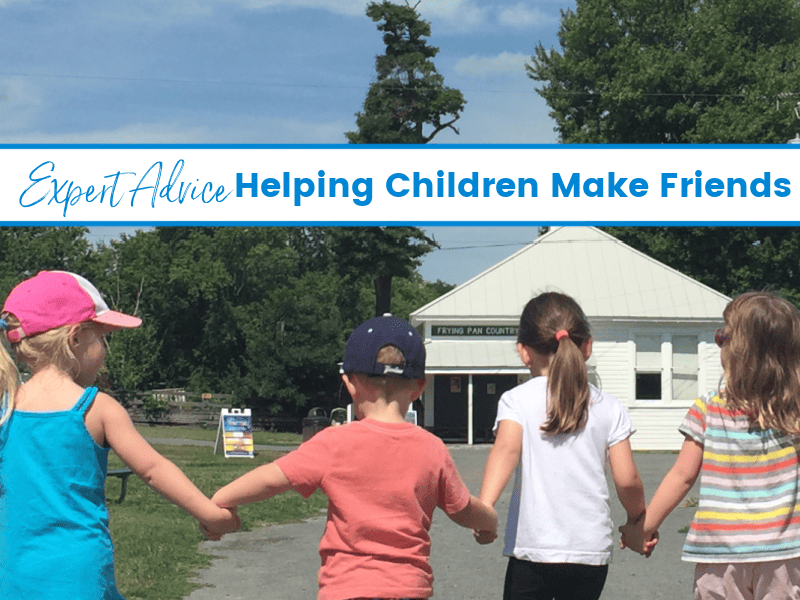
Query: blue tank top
point(54, 536)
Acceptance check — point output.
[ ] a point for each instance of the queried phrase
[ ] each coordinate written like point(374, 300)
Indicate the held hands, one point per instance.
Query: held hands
point(636, 538)
point(484, 537)
point(487, 531)
point(225, 521)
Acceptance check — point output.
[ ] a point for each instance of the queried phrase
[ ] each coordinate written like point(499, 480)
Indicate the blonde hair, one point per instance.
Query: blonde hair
point(9, 377)
point(567, 378)
point(762, 360)
point(44, 349)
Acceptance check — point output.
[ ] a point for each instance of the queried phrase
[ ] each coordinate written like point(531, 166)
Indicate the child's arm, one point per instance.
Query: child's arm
point(477, 515)
point(157, 471)
point(675, 486)
point(626, 479)
point(630, 492)
point(503, 459)
point(259, 484)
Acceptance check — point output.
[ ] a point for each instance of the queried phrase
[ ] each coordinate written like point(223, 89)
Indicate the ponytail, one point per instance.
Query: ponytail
point(553, 324)
point(568, 389)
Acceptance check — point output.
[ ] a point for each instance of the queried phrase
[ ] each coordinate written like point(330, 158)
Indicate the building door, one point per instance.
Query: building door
point(450, 406)
point(486, 392)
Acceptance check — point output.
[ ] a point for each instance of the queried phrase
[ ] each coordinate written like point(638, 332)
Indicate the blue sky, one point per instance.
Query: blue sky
point(262, 72)
point(252, 71)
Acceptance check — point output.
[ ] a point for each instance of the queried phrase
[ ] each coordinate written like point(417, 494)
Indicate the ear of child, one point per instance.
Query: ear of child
point(386, 400)
point(87, 343)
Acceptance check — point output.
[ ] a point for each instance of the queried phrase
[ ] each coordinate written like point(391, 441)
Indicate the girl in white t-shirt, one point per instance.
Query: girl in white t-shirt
point(558, 432)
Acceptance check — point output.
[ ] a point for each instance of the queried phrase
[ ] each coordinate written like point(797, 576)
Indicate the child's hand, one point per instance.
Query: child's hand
point(484, 537)
point(647, 546)
point(650, 544)
point(634, 537)
point(225, 521)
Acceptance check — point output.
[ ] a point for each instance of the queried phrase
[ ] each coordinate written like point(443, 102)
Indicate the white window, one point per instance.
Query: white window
point(648, 367)
point(666, 360)
point(684, 367)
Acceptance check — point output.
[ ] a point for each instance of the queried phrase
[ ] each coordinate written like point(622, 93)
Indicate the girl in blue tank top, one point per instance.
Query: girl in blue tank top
point(55, 434)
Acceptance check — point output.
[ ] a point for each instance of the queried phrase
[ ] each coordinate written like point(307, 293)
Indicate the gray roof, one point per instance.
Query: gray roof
point(609, 279)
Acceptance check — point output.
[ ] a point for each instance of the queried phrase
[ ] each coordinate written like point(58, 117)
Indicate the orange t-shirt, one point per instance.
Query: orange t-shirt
point(383, 481)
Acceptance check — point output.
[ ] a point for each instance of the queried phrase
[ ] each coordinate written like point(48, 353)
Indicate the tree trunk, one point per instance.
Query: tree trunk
point(383, 294)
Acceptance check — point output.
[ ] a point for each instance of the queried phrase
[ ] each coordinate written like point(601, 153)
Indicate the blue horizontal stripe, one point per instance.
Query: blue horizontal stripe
point(795, 544)
point(745, 493)
point(758, 435)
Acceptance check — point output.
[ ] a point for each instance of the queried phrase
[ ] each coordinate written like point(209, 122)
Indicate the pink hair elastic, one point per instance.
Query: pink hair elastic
point(561, 334)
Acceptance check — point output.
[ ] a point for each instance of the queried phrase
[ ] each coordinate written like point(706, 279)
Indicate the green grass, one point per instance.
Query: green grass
point(156, 543)
point(689, 503)
point(209, 435)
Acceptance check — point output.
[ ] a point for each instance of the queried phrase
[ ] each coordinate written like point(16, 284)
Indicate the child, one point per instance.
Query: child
point(383, 476)
point(559, 432)
point(745, 536)
point(55, 434)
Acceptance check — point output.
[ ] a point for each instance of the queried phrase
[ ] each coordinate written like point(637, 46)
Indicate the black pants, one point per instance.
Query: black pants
point(527, 580)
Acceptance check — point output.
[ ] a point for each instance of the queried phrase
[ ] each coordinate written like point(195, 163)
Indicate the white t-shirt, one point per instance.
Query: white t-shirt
point(561, 484)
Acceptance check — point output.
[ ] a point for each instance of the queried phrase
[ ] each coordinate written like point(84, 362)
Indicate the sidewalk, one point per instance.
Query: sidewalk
point(281, 562)
point(182, 442)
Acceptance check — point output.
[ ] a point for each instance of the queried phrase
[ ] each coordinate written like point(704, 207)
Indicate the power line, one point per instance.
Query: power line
point(167, 80)
point(240, 83)
point(487, 246)
point(347, 87)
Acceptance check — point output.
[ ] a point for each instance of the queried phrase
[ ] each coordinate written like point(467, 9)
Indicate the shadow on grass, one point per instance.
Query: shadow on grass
point(156, 543)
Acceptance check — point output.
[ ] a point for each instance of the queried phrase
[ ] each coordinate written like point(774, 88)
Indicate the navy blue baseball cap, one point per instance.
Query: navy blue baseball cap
point(367, 339)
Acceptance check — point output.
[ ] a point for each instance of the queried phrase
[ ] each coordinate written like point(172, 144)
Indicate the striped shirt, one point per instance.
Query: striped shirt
point(749, 508)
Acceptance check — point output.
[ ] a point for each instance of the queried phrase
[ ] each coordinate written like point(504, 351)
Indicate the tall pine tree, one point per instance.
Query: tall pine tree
point(408, 103)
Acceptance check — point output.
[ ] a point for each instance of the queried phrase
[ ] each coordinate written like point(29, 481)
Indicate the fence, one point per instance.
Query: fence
point(181, 408)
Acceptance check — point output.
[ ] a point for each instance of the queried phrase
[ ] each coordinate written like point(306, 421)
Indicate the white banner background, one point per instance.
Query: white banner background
point(214, 185)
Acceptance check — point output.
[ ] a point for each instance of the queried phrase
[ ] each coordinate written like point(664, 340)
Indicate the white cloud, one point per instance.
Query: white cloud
point(342, 7)
point(446, 16)
point(459, 15)
point(493, 67)
point(524, 15)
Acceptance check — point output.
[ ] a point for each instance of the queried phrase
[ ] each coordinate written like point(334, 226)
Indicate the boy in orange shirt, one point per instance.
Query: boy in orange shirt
point(383, 476)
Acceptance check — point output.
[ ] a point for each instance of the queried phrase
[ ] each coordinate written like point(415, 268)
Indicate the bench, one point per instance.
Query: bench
point(123, 474)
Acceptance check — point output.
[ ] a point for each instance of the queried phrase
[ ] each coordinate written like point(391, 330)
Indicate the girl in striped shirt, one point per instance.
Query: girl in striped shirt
point(743, 443)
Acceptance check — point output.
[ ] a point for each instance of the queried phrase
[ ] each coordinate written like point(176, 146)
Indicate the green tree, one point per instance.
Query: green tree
point(672, 71)
point(293, 342)
point(731, 260)
point(260, 312)
point(408, 103)
point(24, 251)
point(191, 282)
point(378, 254)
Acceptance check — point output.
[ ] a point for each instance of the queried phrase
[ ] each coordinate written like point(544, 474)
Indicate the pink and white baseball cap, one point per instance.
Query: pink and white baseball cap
point(55, 298)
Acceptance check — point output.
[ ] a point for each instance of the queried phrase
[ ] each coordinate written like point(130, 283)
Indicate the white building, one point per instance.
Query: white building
point(653, 331)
